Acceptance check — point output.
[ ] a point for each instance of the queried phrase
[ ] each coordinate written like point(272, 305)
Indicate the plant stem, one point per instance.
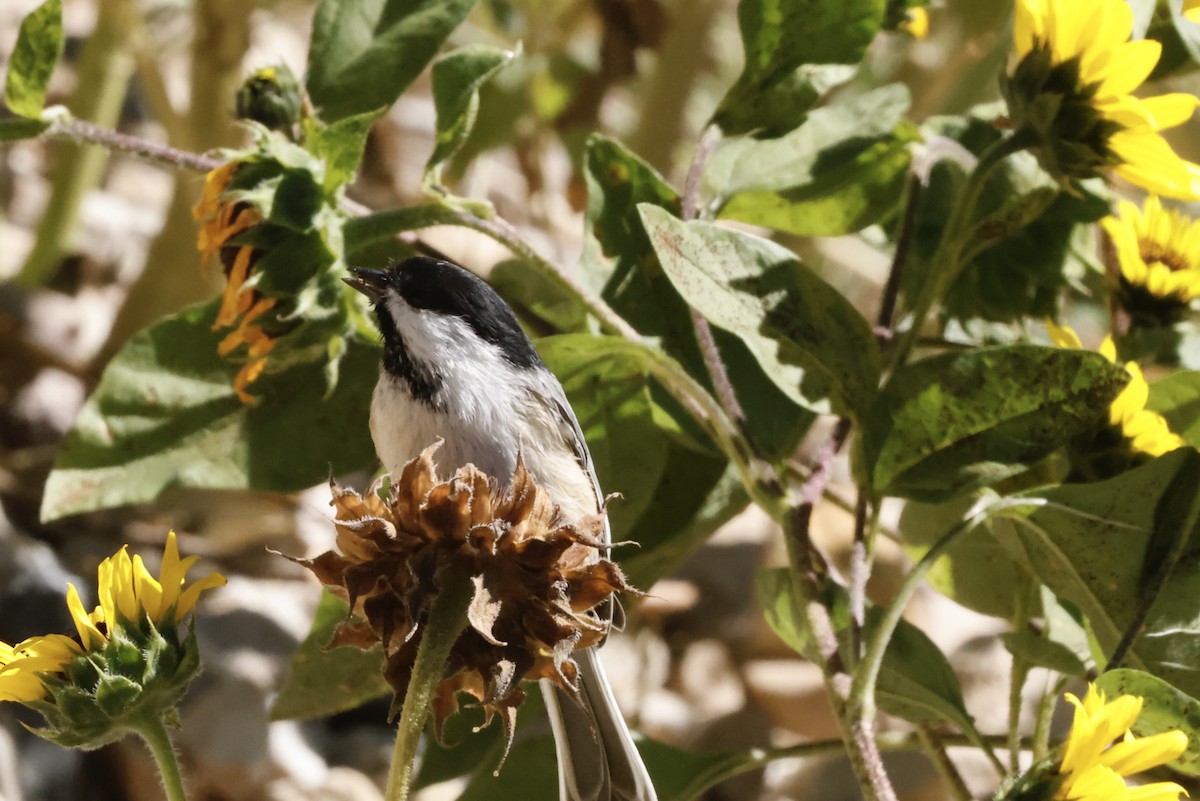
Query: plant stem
point(83, 131)
point(1045, 711)
point(104, 72)
point(948, 261)
point(935, 749)
point(446, 621)
point(863, 690)
point(1020, 672)
point(154, 734)
point(503, 232)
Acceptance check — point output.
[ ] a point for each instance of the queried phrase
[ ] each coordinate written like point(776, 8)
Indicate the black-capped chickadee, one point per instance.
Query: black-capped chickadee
point(457, 365)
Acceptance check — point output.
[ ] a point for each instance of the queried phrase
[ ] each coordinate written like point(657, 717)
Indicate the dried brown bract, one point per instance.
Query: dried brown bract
point(537, 580)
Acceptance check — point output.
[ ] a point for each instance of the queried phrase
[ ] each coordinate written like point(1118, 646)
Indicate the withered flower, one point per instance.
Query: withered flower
point(222, 219)
point(537, 581)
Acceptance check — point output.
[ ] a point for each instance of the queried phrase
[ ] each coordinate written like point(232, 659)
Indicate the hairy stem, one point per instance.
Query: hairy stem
point(446, 621)
point(154, 734)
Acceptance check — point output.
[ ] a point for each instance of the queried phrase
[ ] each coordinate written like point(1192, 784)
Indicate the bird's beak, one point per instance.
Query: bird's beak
point(367, 281)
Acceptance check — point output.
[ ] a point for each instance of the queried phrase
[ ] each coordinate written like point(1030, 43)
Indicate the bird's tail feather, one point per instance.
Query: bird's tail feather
point(597, 760)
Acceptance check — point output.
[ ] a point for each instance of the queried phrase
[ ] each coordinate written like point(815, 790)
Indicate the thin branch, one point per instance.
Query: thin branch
point(85, 132)
point(891, 290)
point(935, 749)
point(503, 232)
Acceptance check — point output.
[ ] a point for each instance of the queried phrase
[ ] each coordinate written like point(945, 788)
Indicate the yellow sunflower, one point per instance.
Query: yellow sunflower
point(1158, 251)
point(242, 307)
point(1101, 751)
point(1071, 94)
point(1191, 10)
point(126, 591)
point(1145, 431)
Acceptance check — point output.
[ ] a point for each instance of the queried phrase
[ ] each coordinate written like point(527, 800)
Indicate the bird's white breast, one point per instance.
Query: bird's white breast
point(483, 410)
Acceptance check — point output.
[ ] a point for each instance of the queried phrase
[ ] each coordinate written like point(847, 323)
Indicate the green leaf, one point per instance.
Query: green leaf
point(379, 227)
point(1045, 653)
point(1027, 236)
point(530, 773)
point(697, 494)
point(617, 247)
point(323, 682)
point(12, 130)
point(809, 339)
point(541, 303)
point(915, 681)
point(975, 571)
point(607, 384)
point(341, 145)
point(457, 77)
point(1177, 398)
point(1091, 544)
point(779, 37)
point(165, 414)
point(962, 420)
point(365, 53)
point(38, 48)
point(1164, 708)
point(781, 605)
point(840, 171)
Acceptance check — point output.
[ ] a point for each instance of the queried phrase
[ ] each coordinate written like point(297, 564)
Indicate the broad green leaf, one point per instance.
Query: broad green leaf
point(323, 682)
point(606, 382)
point(1044, 653)
point(1091, 545)
point(689, 506)
point(341, 144)
point(962, 420)
point(457, 77)
point(38, 48)
point(809, 339)
point(617, 247)
point(165, 414)
point(1177, 398)
point(840, 171)
point(976, 571)
point(365, 53)
point(382, 226)
point(781, 36)
point(17, 128)
point(1164, 708)
point(862, 186)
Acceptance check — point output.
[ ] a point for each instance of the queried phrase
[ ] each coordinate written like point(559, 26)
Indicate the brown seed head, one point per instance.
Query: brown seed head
point(537, 580)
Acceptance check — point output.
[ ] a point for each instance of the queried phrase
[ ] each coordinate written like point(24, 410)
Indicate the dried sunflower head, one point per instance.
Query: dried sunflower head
point(537, 580)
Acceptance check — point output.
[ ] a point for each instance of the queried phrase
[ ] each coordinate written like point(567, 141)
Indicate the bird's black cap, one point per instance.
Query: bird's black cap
point(445, 288)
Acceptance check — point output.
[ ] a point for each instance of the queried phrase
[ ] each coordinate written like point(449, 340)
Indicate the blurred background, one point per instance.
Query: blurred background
point(96, 245)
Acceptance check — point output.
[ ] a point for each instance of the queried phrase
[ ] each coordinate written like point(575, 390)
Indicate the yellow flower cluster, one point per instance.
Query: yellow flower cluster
point(1087, 43)
point(127, 590)
point(1146, 431)
point(1101, 750)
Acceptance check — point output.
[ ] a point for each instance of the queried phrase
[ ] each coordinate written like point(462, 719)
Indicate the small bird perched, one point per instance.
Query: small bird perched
point(456, 365)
